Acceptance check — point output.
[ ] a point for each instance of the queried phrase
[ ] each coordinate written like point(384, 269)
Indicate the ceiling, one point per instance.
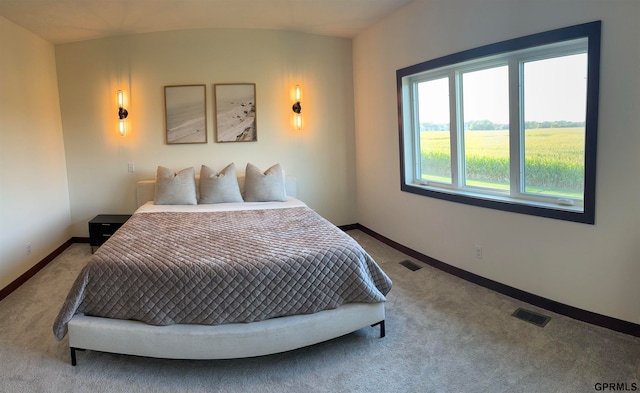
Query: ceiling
point(64, 21)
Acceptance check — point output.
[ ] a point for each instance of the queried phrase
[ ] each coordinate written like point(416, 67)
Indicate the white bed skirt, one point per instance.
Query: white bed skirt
point(228, 341)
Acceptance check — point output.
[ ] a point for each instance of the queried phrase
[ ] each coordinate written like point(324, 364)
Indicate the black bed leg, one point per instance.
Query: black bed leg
point(382, 330)
point(73, 354)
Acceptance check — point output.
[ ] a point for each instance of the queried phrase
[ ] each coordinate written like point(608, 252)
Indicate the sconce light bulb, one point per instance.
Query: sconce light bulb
point(122, 113)
point(297, 92)
point(123, 129)
point(299, 122)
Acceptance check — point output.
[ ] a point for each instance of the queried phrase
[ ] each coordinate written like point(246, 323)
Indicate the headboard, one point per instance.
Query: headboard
point(146, 189)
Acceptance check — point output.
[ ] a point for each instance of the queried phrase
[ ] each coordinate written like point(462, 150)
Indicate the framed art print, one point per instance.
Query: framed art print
point(235, 109)
point(185, 114)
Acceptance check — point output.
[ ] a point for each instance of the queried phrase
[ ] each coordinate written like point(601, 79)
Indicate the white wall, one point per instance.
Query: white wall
point(34, 198)
point(595, 268)
point(320, 156)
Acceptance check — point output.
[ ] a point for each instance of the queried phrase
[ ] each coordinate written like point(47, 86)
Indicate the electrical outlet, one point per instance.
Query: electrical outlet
point(27, 248)
point(130, 167)
point(478, 251)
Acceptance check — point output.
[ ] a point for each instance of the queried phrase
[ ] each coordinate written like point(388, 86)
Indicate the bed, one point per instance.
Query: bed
point(222, 280)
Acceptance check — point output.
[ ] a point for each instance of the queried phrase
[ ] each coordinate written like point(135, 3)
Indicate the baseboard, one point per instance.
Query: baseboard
point(4, 292)
point(551, 305)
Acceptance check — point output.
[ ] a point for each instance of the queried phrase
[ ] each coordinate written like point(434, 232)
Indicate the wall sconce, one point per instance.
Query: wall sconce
point(297, 108)
point(122, 114)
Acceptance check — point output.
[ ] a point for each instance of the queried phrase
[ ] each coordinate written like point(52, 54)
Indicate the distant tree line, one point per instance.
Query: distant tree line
point(489, 125)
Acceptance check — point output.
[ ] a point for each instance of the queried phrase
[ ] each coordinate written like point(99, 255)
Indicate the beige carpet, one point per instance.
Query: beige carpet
point(443, 335)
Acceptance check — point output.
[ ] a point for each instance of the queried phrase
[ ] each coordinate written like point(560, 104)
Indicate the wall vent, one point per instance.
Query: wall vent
point(531, 317)
point(410, 265)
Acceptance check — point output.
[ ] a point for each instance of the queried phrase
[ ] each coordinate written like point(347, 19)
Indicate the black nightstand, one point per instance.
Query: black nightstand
point(103, 226)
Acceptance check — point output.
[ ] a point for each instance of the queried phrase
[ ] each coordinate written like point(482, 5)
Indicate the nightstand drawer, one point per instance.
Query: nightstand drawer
point(102, 231)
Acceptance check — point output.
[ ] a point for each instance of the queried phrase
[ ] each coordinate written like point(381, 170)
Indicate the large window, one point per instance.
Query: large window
point(510, 126)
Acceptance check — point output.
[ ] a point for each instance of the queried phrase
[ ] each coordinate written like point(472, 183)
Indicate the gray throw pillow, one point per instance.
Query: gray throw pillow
point(175, 188)
point(219, 187)
point(264, 187)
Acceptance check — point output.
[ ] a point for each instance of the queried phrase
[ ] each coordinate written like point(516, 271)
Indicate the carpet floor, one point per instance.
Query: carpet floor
point(443, 335)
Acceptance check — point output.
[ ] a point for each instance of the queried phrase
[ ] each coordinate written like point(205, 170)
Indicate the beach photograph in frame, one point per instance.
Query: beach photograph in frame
point(235, 112)
point(185, 110)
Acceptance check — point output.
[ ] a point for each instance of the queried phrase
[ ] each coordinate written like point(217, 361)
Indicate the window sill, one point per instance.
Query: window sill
point(502, 202)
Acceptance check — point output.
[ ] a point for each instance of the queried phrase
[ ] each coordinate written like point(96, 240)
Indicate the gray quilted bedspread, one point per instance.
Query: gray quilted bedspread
point(223, 267)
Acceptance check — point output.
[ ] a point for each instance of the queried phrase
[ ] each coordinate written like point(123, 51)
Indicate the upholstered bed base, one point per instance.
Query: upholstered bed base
point(228, 341)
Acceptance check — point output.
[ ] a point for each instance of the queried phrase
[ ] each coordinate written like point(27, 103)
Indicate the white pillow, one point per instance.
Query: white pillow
point(219, 187)
point(264, 187)
point(175, 188)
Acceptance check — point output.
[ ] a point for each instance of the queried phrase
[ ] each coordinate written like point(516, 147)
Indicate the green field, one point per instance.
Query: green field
point(554, 159)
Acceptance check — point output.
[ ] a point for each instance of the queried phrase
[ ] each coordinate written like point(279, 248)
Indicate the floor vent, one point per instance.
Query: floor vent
point(531, 317)
point(410, 265)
